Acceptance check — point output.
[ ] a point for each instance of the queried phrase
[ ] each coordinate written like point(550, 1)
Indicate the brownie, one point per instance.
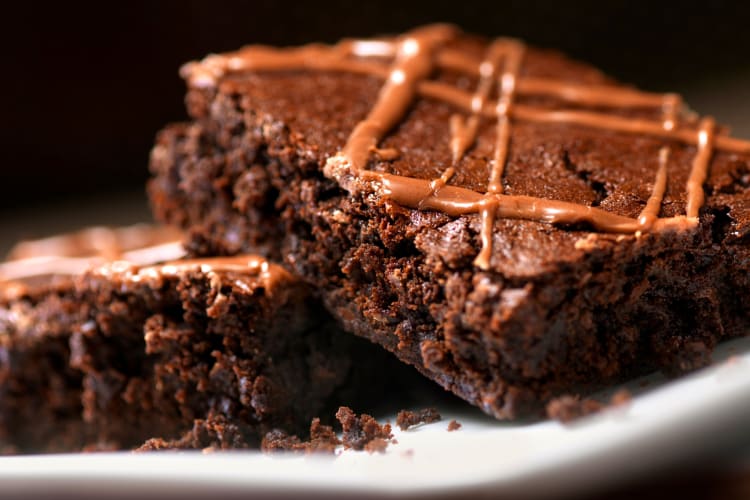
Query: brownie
point(213, 352)
point(511, 222)
point(408, 418)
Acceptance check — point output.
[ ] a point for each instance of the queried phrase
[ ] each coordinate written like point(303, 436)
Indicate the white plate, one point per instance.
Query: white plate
point(666, 423)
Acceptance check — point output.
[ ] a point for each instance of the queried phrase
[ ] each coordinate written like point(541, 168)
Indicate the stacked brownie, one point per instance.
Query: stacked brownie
point(511, 223)
point(149, 350)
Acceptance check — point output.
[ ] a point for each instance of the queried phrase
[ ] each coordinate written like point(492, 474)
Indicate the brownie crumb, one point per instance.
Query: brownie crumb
point(278, 440)
point(407, 419)
point(377, 445)
point(620, 398)
point(213, 433)
point(568, 408)
point(359, 431)
point(453, 425)
point(155, 444)
point(322, 440)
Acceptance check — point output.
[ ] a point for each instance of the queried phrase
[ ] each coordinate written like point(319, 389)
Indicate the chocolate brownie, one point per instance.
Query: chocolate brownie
point(407, 418)
point(214, 352)
point(513, 223)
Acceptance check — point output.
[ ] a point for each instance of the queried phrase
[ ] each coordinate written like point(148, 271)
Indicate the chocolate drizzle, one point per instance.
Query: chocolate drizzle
point(650, 212)
point(61, 265)
point(134, 253)
point(512, 52)
point(73, 253)
point(412, 64)
point(248, 266)
point(414, 57)
point(699, 170)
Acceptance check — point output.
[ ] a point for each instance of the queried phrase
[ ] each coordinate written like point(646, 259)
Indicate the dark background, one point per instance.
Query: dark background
point(87, 85)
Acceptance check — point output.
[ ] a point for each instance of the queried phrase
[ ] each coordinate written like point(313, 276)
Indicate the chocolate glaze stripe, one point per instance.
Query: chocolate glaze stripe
point(463, 133)
point(613, 123)
point(650, 212)
point(373, 47)
point(699, 170)
point(507, 86)
point(251, 266)
point(455, 201)
point(439, 183)
point(413, 63)
point(601, 95)
point(33, 267)
point(671, 106)
point(62, 265)
point(605, 95)
point(513, 53)
point(209, 71)
point(138, 265)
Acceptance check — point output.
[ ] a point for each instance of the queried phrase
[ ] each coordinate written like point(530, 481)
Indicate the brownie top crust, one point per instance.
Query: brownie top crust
point(445, 125)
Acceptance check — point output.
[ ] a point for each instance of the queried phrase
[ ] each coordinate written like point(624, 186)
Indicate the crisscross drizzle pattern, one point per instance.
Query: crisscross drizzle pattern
point(406, 64)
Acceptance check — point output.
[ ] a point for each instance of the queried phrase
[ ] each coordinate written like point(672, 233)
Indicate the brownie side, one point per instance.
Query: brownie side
point(560, 309)
point(164, 353)
point(185, 354)
point(40, 403)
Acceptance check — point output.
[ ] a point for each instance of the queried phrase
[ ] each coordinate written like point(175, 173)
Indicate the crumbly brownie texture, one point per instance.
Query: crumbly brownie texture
point(213, 433)
point(511, 222)
point(40, 392)
point(407, 418)
point(40, 395)
point(322, 439)
point(359, 432)
point(453, 425)
point(569, 408)
point(194, 354)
